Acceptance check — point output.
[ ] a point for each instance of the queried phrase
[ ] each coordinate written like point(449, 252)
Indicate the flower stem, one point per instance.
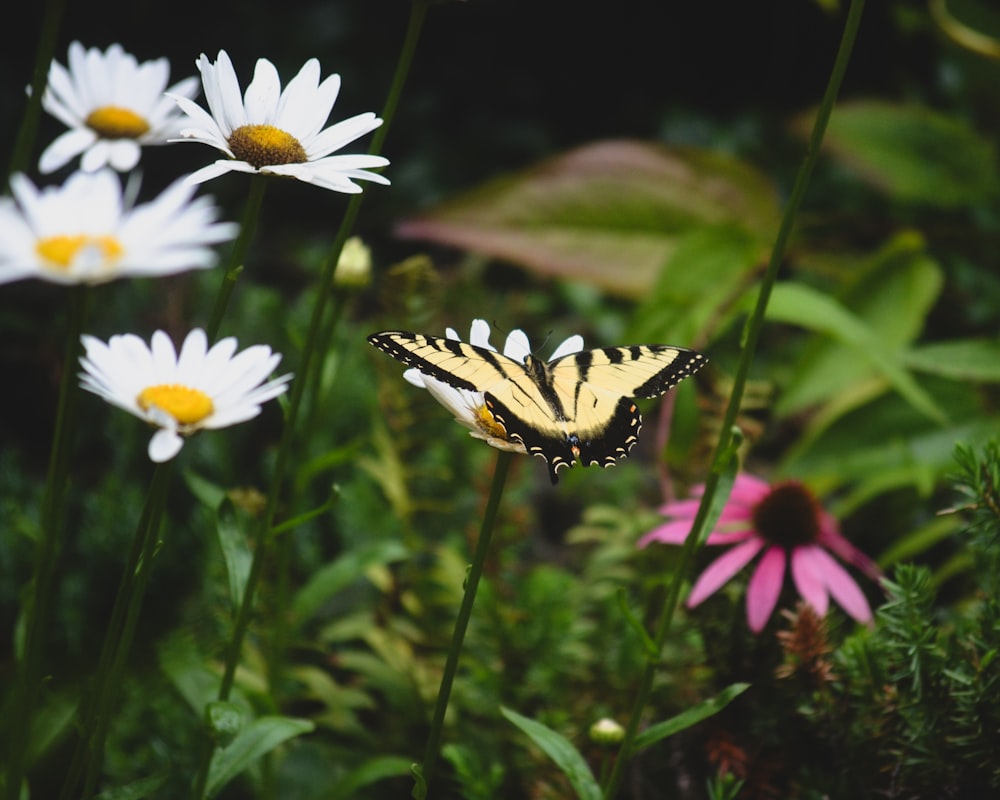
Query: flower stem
point(433, 747)
point(27, 134)
point(128, 603)
point(236, 261)
point(750, 338)
point(302, 378)
point(309, 348)
point(29, 677)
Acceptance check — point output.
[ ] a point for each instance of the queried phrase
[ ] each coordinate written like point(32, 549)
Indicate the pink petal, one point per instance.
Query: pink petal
point(843, 588)
point(748, 490)
point(832, 539)
point(722, 569)
point(681, 508)
point(675, 532)
point(764, 588)
point(807, 572)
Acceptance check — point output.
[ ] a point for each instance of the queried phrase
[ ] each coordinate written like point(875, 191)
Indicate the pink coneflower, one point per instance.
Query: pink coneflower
point(786, 522)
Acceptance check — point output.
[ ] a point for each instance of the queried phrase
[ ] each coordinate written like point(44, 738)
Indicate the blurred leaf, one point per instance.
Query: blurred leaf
point(911, 152)
point(689, 717)
point(892, 296)
point(50, 723)
point(235, 551)
point(561, 751)
point(705, 274)
point(371, 771)
point(965, 360)
point(259, 738)
point(913, 544)
point(607, 213)
point(191, 675)
point(144, 787)
point(801, 305)
point(209, 494)
point(341, 573)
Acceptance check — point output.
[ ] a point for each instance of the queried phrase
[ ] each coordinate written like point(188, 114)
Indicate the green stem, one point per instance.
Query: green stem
point(236, 261)
point(751, 336)
point(27, 134)
point(29, 677)
point(433, 747)
point(263, 533)
point(117, 644)
point(325, 341)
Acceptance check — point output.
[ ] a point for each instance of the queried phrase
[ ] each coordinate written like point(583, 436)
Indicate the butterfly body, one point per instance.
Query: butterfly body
point(577, 408)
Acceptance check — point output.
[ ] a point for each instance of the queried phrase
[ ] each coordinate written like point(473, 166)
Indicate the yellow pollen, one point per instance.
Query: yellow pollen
point(488, 423)
point(265, 145)
point(184, 404)
point(115, 122)
point(60, 251)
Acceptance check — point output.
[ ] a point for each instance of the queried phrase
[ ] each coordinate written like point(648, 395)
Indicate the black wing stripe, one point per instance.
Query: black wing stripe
point(574, 408)
point(455, 363)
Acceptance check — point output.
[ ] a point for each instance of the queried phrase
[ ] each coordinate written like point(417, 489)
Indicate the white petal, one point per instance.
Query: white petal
point(164, 445)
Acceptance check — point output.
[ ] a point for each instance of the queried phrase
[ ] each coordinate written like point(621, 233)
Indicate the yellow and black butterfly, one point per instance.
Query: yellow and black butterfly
point(577, 408)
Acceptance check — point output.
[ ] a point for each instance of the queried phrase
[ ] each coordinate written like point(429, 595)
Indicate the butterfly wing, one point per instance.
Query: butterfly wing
point(575, 408)
point(459, 364)
point(596, 387)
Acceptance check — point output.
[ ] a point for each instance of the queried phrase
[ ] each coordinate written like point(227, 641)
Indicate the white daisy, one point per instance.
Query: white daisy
point(278, 132)
point(82, 232)
point(112, 105)
point(468, 407)
point(180, 394)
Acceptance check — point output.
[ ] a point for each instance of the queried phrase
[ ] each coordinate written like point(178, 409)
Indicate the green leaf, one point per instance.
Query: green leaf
point(338, 575)
point(50, 724)
point(561, 751)
point(691, 716)
point(368, 772)
point(964, 360)
point(801, 305)
point(911, 152)
point(916, 542)
point(891, 292)
point(608, 214)
point(235, 550)
point(208, 494)
point(652, 653)
point(708, 271)
point(257, 739)
point(144, 787)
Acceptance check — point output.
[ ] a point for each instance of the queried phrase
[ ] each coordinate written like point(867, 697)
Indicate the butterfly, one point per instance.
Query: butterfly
point(576, 408)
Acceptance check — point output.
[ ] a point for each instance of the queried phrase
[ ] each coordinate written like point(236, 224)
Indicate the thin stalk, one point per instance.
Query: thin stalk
point(130, 597)
point(749, 345)
point(263, 533)
point(433, 746)
point(29, 676)
point(236, 261)
point(27, 135)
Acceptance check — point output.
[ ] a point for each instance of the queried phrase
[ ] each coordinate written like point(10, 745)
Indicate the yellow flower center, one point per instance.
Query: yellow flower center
point(184, 404)
point(265, 145)
point(61, 251)
point(488, 424)
point(115, 122)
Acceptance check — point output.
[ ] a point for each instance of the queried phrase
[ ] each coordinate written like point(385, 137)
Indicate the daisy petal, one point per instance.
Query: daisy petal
point(164, 445)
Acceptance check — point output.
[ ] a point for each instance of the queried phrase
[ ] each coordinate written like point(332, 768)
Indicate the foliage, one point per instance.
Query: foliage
point(875, 382)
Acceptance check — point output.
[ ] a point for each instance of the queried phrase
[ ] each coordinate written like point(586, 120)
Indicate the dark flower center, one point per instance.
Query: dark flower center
point(788, 515)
